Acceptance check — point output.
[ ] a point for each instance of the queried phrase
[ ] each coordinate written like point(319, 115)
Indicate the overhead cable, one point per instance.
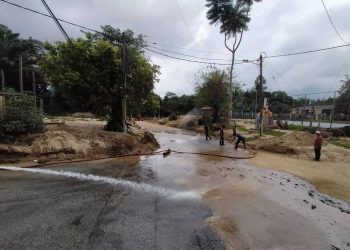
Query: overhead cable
point(308, 51)
point(188, 60)
point(287, 82)
point(90, 29)
point(330, 19)
point(184, 20)
point(56, 21)
point(182, 54)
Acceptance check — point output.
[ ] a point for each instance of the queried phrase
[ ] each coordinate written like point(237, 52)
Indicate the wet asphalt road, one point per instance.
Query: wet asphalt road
point(39, 211)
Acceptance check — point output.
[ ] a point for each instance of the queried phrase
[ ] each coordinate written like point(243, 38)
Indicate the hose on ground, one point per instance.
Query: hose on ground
point(165, 153)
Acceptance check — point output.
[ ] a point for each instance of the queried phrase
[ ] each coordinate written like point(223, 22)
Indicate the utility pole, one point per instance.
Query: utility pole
point(302, 117)
point(2, 79)
point(124, 87)
point(261, 97)
point(34, 89)
point(330, 125)
point(283, 107)
point(20, 74)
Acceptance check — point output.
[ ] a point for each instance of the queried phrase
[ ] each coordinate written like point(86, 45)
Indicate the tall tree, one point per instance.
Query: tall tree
point(233, 17)
point(87, 73)
point(9, 43)
point(343, 101)
point(11, 46)
point(212, 90)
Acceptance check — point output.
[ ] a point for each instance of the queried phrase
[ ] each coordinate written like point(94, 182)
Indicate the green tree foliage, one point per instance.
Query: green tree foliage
point(280, 102)
point(20, 116)
point(11, 46)
point(152, 106)
point(88, 74)
point(9, 43)
point(212, 88)
point(173, 104)
point(343, 101)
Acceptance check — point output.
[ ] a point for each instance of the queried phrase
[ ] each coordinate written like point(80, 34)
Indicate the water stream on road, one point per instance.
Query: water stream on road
point(167, 193)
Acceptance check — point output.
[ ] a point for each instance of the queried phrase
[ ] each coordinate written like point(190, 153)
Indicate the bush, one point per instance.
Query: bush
point(172, 117)
point(20, 116)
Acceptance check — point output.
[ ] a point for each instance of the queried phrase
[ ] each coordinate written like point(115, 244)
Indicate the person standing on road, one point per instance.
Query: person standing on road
point(240, 138)
point(222, 135)
point(317, 145)
point(206, 130)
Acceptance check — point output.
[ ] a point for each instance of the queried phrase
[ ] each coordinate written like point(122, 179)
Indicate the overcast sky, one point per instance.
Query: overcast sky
point(276, 27)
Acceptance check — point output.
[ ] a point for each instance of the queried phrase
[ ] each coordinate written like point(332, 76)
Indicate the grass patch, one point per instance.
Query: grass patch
point(295, 127)
point(248, 139)
point(340, 143)
point(241, 128)
point(273, 132)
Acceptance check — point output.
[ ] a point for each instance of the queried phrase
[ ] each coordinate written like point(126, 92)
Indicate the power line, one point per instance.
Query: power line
point(43, 14)
point(56, 21)
point(287, 82)
point(182, 54)
point(188, 60)
point(184, 48)
point(90, 29)
point(341, 69)
point(184, 20)
point(330, 19)
point(315, 93)
point(308, 51)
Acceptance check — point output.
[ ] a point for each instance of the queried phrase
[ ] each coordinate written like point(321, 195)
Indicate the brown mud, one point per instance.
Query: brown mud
point(75, 139)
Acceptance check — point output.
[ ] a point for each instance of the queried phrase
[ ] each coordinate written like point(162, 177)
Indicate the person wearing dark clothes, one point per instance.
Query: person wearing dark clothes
point(240, 138)
point(206, 130)
point(317, 145)
point(222, 135)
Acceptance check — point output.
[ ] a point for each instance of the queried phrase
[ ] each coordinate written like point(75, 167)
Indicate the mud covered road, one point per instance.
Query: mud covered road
point(178, 202)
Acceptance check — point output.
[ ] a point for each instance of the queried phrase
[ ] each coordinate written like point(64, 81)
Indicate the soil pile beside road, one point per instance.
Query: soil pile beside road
point(76, 139)
point(300, 145)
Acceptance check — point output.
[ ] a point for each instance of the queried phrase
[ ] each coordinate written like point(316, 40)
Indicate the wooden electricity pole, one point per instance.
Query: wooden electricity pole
point(331, 120)
point(261, 97)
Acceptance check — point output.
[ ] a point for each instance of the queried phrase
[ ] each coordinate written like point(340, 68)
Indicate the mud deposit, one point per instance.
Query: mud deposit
point(245, 206)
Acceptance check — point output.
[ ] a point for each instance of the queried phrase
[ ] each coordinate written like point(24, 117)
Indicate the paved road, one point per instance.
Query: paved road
point(42, 211)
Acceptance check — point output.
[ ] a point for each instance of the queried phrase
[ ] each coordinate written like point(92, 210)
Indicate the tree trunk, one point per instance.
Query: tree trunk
point(232, 89)
point(115, 121)
point(2, 79)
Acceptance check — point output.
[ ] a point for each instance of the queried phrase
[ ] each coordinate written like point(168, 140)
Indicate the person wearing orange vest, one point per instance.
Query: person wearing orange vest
point(317, 145)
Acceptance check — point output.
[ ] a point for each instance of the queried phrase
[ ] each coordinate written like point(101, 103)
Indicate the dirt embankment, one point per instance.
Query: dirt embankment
point(76, 139)
point(294, 153)
point(300, 145)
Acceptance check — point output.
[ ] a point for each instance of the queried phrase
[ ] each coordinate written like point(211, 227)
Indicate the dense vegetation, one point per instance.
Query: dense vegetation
point(20, 116)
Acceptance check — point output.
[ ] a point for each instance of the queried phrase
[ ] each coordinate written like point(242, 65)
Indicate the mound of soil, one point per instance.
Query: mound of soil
point(300, 145)
point(75, 141)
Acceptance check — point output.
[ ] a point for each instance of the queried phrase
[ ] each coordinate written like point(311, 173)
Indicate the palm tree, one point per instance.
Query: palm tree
point(9, 43)
point(233, 17)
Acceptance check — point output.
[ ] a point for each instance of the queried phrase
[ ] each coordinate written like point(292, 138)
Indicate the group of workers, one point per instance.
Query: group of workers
point(238, 138)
